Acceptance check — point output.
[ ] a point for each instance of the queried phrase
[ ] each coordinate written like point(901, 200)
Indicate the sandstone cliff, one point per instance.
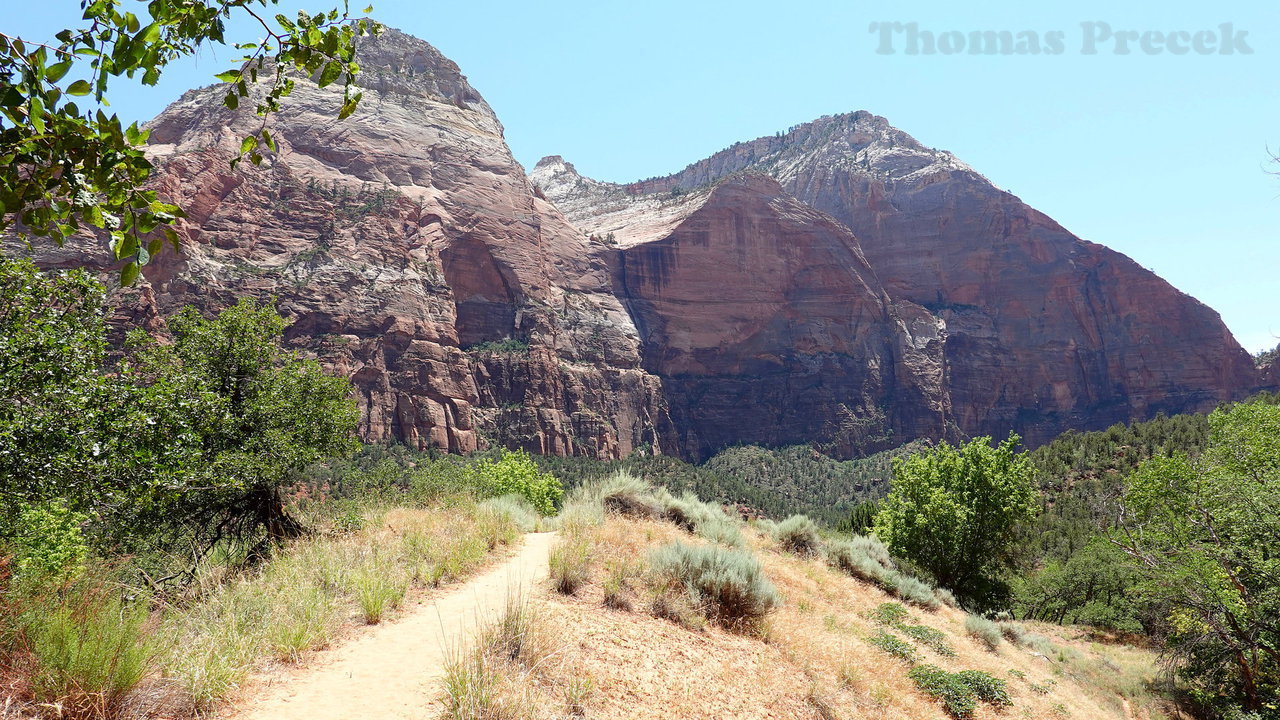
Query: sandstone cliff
point(408, 249)
point(1039, 331)
point(840, 284)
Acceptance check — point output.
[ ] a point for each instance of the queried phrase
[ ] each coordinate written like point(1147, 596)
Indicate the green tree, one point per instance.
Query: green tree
point(954, 513)
point(516, 473)
point(274, 414)
point(1204, 534)
point(102, 442)
point(66, 165)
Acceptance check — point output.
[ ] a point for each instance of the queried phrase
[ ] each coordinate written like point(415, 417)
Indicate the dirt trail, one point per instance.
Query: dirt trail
point(392, 671)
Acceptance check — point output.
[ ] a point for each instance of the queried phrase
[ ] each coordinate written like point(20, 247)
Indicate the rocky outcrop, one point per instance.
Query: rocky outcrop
point(408, 249)
point(840, 285)
point(768, 326)
point(1040, 331)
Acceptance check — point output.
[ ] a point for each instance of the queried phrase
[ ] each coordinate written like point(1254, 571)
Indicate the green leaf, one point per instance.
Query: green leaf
point(129, 273)
point(79, 87)
point(37, 114)
point(330, 73)
point(231, 101)
point(55, 72)
point(268, 140)
point(250, 142)
point(228, 76)
point(349, 106)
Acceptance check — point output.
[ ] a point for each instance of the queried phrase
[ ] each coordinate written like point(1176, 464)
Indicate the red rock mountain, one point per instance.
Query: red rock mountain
point(1038, 330)
point(840, 284)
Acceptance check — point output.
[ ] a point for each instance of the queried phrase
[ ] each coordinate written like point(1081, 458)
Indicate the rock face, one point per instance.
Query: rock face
point(409, 250)
point(840, 285)
point(1037, 330)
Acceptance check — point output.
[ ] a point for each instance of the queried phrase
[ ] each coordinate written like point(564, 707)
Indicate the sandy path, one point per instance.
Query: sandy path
point(392, 670)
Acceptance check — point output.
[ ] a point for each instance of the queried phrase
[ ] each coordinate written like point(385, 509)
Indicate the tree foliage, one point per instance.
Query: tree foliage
point(1205, 536)
point(270, 415)
point(954, 512)
point(198, 436)
point(515, 473)
point(66, 165)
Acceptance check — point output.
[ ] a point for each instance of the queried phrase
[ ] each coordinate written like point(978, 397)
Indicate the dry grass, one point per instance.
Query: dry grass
point(513, 670)
point(813, 658)
point(320, 589)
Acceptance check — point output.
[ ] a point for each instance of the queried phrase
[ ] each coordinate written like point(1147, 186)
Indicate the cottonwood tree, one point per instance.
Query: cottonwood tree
point(1205, 536)
point(66, 165)
point(954, 512)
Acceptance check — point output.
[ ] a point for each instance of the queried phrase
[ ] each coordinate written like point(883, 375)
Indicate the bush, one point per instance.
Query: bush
point(1013, 632)
point(515, 473)
point(626, 494)
point(48, 546)
point(894, 645)
point(517, 508)
point(862, 557)
point(984, 630)
point(890, 613)
point(798, 534)
point(91, 649)
point(570, 563)
point(916, 592)
point(706, 520)
point(960, 692)
point(728, 584)
point(931, 638)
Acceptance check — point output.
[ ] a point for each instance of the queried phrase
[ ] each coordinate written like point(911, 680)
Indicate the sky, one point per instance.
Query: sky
point(1163, 156)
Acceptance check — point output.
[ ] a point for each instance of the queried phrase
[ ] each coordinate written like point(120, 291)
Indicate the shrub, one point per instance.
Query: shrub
point(894, 645)
point(916, 592)
point(515, 473)
point(890, 613)
point(91, 649)
point(516, 508)
point(48, 545)
point(985, 687)
point(984, 630)
point(626, 494)
point(862, 557)
point(570, 563)
point(960, 692)
point(727, 583)
point(931, 638)
point(798, 534)
point(1013, 632)
point(706, 520)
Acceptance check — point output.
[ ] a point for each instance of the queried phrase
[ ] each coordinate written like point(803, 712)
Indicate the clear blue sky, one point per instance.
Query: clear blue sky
point(1163, 157)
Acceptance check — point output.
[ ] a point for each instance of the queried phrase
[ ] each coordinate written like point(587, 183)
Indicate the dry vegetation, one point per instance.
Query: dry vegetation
point(646, 649)
point(90, 658)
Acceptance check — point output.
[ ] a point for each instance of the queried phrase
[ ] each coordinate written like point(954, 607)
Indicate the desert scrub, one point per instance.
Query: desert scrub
point(983, 630)
point(798, 534)
point(570, 562)
point(866, 558)
point(299, 600)
point(90, 648)
point(894, 645)
point(727, 584)
point(493, 679)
